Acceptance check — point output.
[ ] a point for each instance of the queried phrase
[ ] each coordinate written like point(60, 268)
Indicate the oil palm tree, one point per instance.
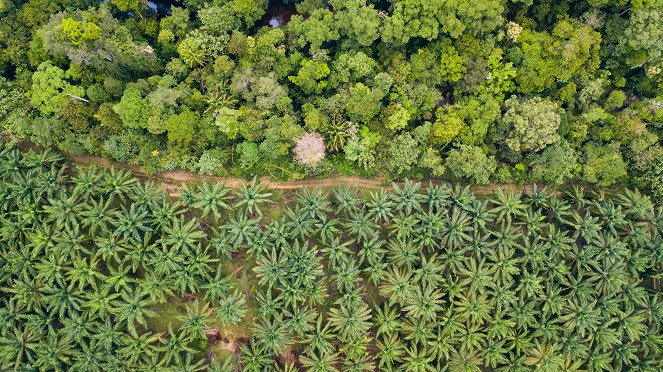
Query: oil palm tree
point(182, 234)
point(19, 347)
point(231, 309)
point(403, 226)
point(407, 197)
point(299, 225)
point(313, 203)
point(390, 351)
point(507, 206)
point(301, 319)
point(174, 347)
point(64, 210)
point(241, 228)
point(360, 225)
point(397, 286)
point(132, 307)
point(97, 215)
point(132, 222)
point(146, 194)
point(212, 198)
point(117, 183)
point(272, 334)
point(347, 200)
point(252, 196)
point(327, 229)
point(87, 181)
point(418, 359)
point(320, 362)
point(254, 358)
point(350, 323)
point(380, 207)
point(196, 319)
point(423, 302)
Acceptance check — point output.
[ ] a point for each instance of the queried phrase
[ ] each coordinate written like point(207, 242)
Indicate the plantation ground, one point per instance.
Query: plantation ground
point(104, 272)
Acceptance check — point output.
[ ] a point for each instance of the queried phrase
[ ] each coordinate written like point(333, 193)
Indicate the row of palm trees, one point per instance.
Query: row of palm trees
point(415, 279)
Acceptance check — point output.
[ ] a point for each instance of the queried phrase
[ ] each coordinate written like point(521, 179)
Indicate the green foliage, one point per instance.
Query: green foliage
point(569, 52)
point(310, 76)
point(472, 163)
point(50, 89)
point(529, 124)
point(117, 80)
point(603, 165)
point(555, 165)
point(98, 262)
point(133, 109)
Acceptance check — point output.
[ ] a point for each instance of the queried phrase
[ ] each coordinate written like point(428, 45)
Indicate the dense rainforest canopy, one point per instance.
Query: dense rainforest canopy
point(481, 91)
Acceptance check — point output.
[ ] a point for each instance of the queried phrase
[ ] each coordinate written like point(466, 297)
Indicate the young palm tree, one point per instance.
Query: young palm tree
point(54, 353)
point(403, 226)
point(327, 229)
point(387, 320)
point(320, 362)
point(132, 222)
point(423, 302)
point(43, 159)
point(252, 196)
point(456, 229)
point(272, 334)
point(418, 330)
point(97, 215)
point(301, 319)
point(464, 361)
point(350, 323)
point(147, 194)
point(371, 250)
point(212, 198)
point(231, 309)
point(19, 347)
point(319, 339)
point(407, 197)
point(390, 351)
point(196, 320)
point(241, 228)
point(546, 358)
point(132, 308)
point(418, 359)
point(299, 225)
point(108, 335)
point(403, 253)
point(507, 205)
point(84, 273)
point(347, 200)
point(271, 268)
point(380, 207)
point(437, 197)
point(86, 182)
point(182, 234)
point(174, 347)
point(255, 358)
point(397, 286)
point(313, 203)
point(64, 210)
point(346, 275)
point(473, 309)
point(117, 182)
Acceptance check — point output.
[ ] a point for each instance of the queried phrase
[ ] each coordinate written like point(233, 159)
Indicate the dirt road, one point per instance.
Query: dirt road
point(172, 181)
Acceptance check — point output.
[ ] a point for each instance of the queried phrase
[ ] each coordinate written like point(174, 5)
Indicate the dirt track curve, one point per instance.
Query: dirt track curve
point(172, 181)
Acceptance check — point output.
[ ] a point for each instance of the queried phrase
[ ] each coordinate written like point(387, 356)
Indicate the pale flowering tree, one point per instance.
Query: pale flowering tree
point(310, 149)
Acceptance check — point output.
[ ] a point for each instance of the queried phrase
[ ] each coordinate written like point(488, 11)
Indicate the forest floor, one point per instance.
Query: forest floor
point(173, 181)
